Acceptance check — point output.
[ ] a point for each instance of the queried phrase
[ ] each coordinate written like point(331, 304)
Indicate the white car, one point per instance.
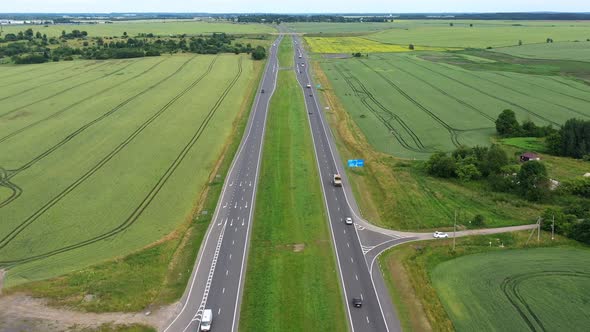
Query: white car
point(348, 220)
point(440, 235)
point(309, 86)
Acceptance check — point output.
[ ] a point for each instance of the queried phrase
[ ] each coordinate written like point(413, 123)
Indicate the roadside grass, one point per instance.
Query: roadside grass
point(291, 280)
point(119, 328)
point(286, 52)
point(398, 194)
point(407, 270)
point(159, 273)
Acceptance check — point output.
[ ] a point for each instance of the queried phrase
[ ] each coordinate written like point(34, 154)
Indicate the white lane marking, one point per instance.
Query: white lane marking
point(362, 299)
point(344, 231)
point(219, 311)
point(226, 272)
point(231, 223)
point(236, 230)
point(209, 278)
point(233, 242)
point(223, 290)
point(351, 260)
point(367, 319)
point(356, 277)
point(225, 205)
point(348, 244)
point(243, 222)
point(231, 184)
point(235, 206)
point(240, 183)
point(335, 248)
point(246, 205)
point(250, 183)
point(230, 257)
point(252, 202)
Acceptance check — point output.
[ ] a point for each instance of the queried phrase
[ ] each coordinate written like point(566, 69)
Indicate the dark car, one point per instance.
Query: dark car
point(357, 302)
point(262, 91)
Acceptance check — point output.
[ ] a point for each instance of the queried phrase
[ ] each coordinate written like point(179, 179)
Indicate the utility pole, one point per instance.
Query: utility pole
point(539, 230)
point(455, 230)
point(553, 229)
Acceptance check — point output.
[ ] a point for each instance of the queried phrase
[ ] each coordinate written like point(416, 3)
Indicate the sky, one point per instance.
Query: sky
point(286, 6)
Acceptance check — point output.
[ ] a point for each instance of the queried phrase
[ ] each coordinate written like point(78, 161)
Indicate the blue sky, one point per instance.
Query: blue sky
point(286, 6)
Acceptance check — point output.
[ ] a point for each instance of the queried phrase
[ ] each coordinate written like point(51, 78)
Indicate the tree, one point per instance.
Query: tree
point(581, 231)
point(411, 47)
point(506, 124)
point(38, 35)
point(10, 37)
point(471, 25)
point(533, 182)
point(520, 43)
point(467, 172)
point(494, 161)
point(259, 53)
point(478, 220)
point(441, 165)
point(451, 24)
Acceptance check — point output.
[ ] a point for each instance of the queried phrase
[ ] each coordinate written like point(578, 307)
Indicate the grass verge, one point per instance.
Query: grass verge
point(154, 275)
point(407, 272)
point(398, 194)
point(291, 282)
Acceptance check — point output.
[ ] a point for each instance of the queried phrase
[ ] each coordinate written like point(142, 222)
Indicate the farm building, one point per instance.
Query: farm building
point(528, 156)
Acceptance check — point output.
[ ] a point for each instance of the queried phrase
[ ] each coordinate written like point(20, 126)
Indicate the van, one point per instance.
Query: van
point(206, 320)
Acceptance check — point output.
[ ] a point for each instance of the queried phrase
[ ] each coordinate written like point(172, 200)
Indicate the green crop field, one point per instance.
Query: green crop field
point(410, 107)
point(482, 34)
point(291, 282)
point(157, 28)
point(101, 158)
point(579, 51)
point(543, 289)
point(338, 28)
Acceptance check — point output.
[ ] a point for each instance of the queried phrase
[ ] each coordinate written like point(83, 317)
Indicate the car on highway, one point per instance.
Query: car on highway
point(262, 91)
point(309, 86)
point(302, 64)
point(348, 220)
point(357, 302)
point(440, 235)
point(206, 320)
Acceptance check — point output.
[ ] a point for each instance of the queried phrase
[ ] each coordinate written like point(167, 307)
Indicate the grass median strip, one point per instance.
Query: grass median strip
point(291, 282)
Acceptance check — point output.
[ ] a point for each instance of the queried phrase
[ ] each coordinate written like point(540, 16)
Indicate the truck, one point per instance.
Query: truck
point(337, 180)
point(206, 320)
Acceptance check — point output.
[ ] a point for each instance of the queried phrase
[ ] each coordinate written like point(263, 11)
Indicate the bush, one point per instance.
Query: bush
point(441, 165)
point(533, 182)
point(259, 53)
point(478, 220)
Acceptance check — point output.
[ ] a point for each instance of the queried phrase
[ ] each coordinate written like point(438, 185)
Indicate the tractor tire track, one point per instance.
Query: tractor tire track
point(460, 101)
point(90, 124)
point(27, 222)
point(37, 77)
point(452, 131)
point(19, 131)
point(366, 94)
point(545, 88)
point(65, 90)
point(53, 82)
point(483, 92)
point(12, 173)
point(154, 191)
point(529, 96)
point(510, 288)
point(567, 84)
point(15, 190)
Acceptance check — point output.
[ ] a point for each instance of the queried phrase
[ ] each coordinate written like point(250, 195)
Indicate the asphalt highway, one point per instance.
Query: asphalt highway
point(352, 242)
point(217, 279)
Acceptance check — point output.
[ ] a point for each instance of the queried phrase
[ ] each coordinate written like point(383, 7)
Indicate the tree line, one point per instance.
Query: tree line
point(33, 48)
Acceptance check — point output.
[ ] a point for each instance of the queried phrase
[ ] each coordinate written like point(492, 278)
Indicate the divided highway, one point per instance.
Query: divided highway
point(354, 244)
point(217, 279)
